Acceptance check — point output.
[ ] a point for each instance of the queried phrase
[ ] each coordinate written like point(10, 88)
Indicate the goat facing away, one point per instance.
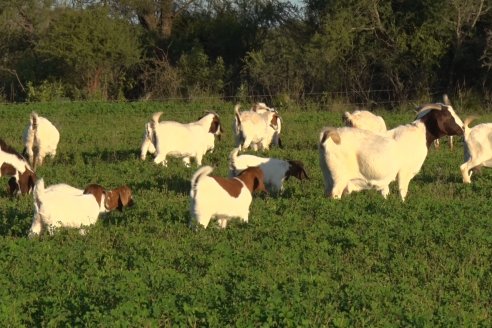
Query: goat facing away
point(40, 139)
point(62, 205)
point(258, 128)
point(363, 119)
point(12, 164)
point(224, 198)
point(477, 148)
point(275, 171)
point(354, 159)
point(186, 141)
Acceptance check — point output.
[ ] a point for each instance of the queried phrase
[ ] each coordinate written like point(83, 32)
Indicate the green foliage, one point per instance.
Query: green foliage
point(302, 260)
point(47, 91)
point(93, 47)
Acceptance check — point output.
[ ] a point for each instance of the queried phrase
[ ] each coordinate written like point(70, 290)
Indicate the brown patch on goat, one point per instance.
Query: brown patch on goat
point(215, 126)
point(119, 198)
point(97, 191)
point(26, 181)
point(274, 121)
point(296, 169)
point(13, 186)
point(252, 178)
point(232, 186)
point(439, 123)
point(7, 169)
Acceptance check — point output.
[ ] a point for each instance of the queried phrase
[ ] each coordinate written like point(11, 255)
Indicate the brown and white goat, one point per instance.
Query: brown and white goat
point(354, 159)
point(14, 165)
point(224, 198)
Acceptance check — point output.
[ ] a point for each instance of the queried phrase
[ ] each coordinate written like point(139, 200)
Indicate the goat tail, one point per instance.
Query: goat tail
point(347, 119)
point(38, 192)
point(34, 120)
point(445, 100)
point(466, 122)
point(329, 133)
point(237, 116)
point(232, 158)
point(204, 170)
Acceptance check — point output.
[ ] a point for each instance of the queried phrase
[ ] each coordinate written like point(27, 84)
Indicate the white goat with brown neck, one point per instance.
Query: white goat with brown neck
point(224, 198)
point(40, 139)
point(16, 166)
point(182, 140)
point(275, 170)
point(353, 159)
point(62, 205)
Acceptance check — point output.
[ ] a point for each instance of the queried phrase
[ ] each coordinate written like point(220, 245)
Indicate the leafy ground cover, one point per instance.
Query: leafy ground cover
point(302, 260)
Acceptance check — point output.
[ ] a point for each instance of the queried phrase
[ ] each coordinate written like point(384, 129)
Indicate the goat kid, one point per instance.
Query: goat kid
point(222, 197)
point(40, 139)
point(258, 129)
point(275, 171)
point(186, 141)
point(354, 159)
point(14, 165)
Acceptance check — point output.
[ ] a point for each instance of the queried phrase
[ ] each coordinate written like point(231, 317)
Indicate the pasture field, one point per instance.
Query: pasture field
point(302, 260)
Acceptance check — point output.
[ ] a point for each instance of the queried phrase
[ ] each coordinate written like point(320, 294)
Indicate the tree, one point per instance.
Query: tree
point(93, 49)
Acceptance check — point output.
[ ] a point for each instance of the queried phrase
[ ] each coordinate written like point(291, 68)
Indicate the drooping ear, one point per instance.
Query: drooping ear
point(13, 186)
point(274, 121)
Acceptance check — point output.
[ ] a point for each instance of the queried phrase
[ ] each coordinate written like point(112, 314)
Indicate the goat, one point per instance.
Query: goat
point(189, 140)
point(222, 197)
point(477, 148)
point(353, 159)
point(363, 119)
point(275, 171)
point(14, 165)
point(62, 205)
point(437, 144)
point(256, 128)
point(40, 139)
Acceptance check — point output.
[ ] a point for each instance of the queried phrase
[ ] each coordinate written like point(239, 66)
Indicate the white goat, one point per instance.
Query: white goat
point(57, 209)
point(190, 140)
point(256, 128)
point(14, 165)
point(354, 159)
point(363, 119)
point(478, 148)
point(40, 139)
point(275, 171)
point(221, 197)
point(62, 205)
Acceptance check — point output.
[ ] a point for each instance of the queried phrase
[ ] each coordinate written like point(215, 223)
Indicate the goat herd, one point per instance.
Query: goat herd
point(361, 155)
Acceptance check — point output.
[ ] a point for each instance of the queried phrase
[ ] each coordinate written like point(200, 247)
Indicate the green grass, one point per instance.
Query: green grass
point(302, 260)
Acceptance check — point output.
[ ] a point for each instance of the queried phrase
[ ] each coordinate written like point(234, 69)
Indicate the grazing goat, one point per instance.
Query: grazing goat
point(222, 197)
point(62, 205)
point(275, 171)
point(363, 119)
point(14, 165)
point(256, 128)
point(190, 140)
point(354, 159)
point(477, 149)
point(40, 139)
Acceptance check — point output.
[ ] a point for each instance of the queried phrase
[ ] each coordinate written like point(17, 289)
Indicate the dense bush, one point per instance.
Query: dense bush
point(302, 260)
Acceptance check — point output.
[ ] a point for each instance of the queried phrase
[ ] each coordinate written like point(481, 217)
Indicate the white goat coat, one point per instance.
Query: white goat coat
point(255, 129)
point(190, 140)
point(62, 206)
point(44, 137)
point(274, 170)
point(365, 160)
point(209, 199)
point(363, 119)
point(477, 150)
